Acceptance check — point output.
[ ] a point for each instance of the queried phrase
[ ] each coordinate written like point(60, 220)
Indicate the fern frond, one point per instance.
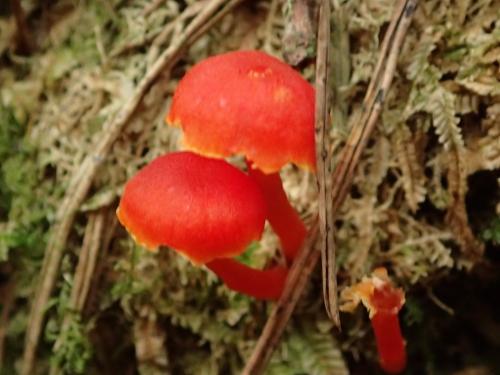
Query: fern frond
point(380, 163)
point(441, 105)
point(308, 351)
point(325, 356)
point(421, 250)
point(413, 174)
point(437, 193)
point(420, 59)
point(429, 95)
point(467, 103)
point(456, 216)
point(490, 145)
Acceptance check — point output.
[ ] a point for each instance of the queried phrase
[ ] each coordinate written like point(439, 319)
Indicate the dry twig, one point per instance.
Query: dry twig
point(8, 298)
point(342, 179)
point(276, 323)
point(300, 30)
point(82, 179)
point(150, 8)
point(83, 274)
point(324, 164)
point(24, 41)
point(373, 101)
point(158, 38)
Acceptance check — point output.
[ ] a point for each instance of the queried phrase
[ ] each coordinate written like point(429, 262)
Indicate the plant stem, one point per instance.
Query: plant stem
point(283, 218)
point(262, 284)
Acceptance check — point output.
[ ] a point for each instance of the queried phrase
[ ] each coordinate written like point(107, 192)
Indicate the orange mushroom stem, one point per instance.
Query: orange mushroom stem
point(262, 284)
point(283, 218)
point(383, 302)
point(207, 210)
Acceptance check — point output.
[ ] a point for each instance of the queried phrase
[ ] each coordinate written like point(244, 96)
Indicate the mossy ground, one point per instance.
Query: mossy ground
point(425, 201)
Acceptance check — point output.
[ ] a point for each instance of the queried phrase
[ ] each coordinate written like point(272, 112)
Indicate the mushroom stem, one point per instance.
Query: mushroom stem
point(390, 342)
point(386, 303)
point(262, 284)
point(383, 301)
point(283, 218)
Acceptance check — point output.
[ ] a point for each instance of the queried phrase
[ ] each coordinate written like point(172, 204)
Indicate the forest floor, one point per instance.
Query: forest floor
point(84, 89)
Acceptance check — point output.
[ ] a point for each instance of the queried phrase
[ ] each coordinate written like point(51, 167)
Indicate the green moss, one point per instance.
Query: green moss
point(492, 232)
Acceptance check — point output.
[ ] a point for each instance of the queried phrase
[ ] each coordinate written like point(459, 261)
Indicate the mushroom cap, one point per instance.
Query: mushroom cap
point(204, 208)
point(247, 103)
point(377, 293)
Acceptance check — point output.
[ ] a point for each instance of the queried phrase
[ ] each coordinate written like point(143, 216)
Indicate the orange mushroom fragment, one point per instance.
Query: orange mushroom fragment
point(207, 210)
point(383, 302)
point(251, 104)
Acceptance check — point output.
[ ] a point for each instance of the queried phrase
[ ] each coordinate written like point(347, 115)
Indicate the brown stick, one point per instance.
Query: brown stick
point(111, 223)
point(324, 165)
point(373, 101)
point(83, 276)
point(83, 177)
point(297, 279)
point(8, 298)
point(24, 41)
point(307, 258)
point(300, 30)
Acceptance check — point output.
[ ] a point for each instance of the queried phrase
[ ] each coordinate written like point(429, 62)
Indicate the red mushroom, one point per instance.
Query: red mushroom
point(383, 302)
point(249, 103)
point(207, 210)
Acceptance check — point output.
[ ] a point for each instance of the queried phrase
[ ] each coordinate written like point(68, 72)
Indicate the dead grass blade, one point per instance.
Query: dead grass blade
point(373, 101)
point(324, 164)
point(7, 300)
point(83, 274)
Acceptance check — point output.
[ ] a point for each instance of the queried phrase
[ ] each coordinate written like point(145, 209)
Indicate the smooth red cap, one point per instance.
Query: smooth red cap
point(247, 103)
point(204, 208)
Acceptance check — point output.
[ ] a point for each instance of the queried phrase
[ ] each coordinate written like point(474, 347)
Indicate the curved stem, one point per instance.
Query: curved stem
point(262, 284)
point(390, 343)
point(283, 218)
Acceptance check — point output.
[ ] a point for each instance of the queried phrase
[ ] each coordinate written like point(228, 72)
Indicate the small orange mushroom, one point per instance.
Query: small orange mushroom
point(207, 210)
point(251, 104)
point(383, 302)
